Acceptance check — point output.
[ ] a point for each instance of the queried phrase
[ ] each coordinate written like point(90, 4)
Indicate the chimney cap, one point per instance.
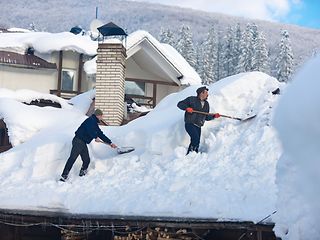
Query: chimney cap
point(111, 29)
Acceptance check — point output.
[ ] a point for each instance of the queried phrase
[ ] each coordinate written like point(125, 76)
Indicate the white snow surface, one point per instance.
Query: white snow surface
point(298, 170)
point(44, 42)
point(233, 178)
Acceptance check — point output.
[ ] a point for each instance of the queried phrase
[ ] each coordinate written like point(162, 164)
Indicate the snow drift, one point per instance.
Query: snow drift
point(298, 170)
point(233, 177)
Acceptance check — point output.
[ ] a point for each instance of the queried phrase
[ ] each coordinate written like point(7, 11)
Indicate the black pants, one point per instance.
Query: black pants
point(79, 147)
point(195, 134)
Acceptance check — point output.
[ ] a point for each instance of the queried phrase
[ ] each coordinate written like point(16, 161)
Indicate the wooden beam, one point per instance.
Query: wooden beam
point(151, 81)
point(59, 73)
point(154, 97)
point(80, 72)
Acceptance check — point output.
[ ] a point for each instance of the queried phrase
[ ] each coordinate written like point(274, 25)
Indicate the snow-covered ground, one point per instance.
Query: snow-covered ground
point(298, 171)
point(233, 177)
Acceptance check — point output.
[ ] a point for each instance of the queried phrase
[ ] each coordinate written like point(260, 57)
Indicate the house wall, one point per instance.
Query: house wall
point(134, 71)
point(71, 61)
point(43, 80)
point(22, 78)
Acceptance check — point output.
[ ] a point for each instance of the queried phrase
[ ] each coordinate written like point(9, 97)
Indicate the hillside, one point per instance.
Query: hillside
point(60, 15)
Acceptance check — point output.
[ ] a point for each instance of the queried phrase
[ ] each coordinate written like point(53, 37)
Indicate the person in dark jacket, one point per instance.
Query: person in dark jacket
point(87, 131)
point(194, 121)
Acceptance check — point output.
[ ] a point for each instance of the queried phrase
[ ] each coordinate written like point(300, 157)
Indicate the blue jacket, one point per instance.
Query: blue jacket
point(89, 130)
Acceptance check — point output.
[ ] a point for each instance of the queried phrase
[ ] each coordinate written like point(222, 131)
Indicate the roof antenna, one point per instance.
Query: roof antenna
point(97, 12)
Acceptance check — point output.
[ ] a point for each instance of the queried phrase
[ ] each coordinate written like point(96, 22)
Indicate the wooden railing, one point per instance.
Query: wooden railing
point(150, 101)
point(66, 94)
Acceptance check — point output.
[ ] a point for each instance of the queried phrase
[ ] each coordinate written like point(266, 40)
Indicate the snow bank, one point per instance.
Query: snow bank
point(231, 179)
point(298, 170)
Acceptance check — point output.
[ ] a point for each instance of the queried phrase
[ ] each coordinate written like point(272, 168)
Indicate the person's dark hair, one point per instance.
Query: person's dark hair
point(201, 89)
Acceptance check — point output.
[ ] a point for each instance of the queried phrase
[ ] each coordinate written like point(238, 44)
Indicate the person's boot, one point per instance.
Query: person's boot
point(190, 149)
point(83, 172)
point(63, 178)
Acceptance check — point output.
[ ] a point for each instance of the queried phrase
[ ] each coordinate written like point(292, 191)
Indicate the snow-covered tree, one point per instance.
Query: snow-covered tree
point(260, 61)
point(284, 59)
point(236, 47)
point(209, 58)
point(185, 45)
point(199, 60)
point(246, 51)
point(167, 36)
point(228, 67)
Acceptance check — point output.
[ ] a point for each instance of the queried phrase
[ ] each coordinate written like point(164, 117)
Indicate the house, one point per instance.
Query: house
point(66, 64)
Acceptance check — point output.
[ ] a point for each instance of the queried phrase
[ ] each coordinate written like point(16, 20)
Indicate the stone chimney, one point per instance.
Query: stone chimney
point(110, 80)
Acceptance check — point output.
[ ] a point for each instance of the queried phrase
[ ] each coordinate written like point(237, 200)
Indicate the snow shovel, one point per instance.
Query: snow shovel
point(226, 116)
point(120, 150)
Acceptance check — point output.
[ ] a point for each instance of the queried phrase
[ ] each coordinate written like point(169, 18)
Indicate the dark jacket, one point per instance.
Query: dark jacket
point(195, 103)
point(89, 130)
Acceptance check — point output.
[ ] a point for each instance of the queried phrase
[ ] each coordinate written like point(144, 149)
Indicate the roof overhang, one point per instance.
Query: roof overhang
point(24, 61)
point(148, 57)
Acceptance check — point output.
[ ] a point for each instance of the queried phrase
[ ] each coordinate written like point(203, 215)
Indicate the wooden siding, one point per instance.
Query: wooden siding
point(22, 223)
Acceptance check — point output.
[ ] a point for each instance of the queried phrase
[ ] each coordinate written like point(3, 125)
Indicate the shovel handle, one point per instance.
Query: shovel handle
point(222, 115)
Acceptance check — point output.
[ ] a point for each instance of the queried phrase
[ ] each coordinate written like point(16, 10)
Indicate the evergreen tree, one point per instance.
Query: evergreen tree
point(236, 48)
point(285, 58)
point(227, 54)
point(246, 51)
point(199, 61)
point(260, 62)
point(209, 58)
point(185, 45)
point(219, 60)
point(167, 36)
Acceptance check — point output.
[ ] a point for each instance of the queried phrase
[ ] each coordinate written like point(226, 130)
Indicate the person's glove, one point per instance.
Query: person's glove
point(189, 110)
point(216, 115)
point(113, 145)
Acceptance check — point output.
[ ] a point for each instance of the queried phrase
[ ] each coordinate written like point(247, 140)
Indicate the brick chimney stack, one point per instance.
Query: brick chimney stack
point(110, 80)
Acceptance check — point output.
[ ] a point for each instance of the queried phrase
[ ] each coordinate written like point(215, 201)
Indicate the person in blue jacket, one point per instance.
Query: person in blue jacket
point(193, 120)
point(87, 131)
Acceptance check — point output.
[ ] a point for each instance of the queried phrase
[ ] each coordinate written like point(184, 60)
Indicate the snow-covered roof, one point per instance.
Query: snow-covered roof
point(226, 181)
point(190, 76)
point(44, 42)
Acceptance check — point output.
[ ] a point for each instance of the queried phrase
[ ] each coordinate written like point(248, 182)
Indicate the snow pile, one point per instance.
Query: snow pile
point(44, 42)
point(231, 179)
point(298, 170)
point(27, 96)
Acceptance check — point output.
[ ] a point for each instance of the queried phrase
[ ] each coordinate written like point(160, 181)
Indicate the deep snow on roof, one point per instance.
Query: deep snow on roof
point(44, 42)
point(228, 180)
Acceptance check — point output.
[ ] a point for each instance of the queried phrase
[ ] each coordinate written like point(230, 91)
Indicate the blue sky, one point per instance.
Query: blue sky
point(300, 12)
point(307, 13)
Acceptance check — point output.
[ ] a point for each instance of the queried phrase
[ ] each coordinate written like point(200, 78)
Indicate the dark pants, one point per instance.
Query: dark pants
point(194, 133)
point(79, 147)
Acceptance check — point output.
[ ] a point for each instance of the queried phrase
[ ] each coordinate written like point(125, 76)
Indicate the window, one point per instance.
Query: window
point(67, 80)
point(135, 88)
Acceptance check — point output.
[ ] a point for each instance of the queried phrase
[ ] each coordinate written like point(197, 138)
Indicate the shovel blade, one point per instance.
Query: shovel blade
point(248, 118)
point(122, 150)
